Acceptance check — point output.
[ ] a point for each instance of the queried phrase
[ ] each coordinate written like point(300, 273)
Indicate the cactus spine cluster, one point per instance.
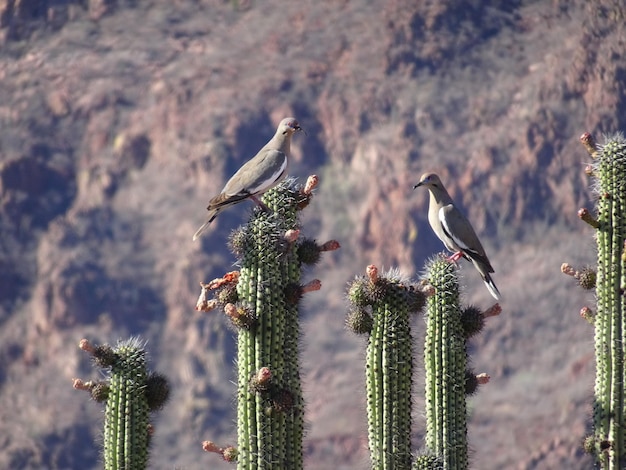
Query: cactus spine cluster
point(608, 442)
point(131, 393)
point(262, 302)
point(381, 307)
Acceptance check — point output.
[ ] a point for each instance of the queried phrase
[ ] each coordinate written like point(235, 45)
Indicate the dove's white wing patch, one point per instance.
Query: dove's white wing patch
point(269, 180)
point(449, 233)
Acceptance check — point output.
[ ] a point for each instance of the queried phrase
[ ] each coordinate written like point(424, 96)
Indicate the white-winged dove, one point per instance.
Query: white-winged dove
point(264, 171)
point(455, 231)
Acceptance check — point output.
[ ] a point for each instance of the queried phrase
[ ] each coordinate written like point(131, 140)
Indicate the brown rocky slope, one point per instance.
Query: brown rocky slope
point(119, 119)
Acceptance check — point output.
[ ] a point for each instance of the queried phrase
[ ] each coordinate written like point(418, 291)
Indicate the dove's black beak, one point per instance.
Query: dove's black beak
point(417, 186)
point(296, 128)
point(299, 128)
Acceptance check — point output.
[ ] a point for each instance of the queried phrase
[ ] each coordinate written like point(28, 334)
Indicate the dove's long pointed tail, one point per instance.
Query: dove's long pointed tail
point(484, 271)
point(491, 286)
point(200, 230)
point(205, 225)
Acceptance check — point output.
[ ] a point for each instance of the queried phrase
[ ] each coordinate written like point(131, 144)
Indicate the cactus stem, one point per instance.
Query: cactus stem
point(263, 376)
point(312, 286)
point(241, 317)
point(292, 235)
point(330, 245)
point(590, 144)
point(391, 301)
point(568, 270)
point(311, 183)
point(78, 384)
point(586, 277)
point(228, 453)
point(261, 301)
point(231, 311)
point(204, 304)
point(447, 378)
point(372, 273)
point(609, 319)
point(493, 311)
point(130, 392)
point(426, 288)
point(586, 217)
point(483, 378)
point(588, 314)
point(85, 345)
point(231, 277)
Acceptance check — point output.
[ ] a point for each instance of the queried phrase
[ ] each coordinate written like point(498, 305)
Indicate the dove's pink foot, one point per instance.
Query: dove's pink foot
point(456, 256)
point(261, 204)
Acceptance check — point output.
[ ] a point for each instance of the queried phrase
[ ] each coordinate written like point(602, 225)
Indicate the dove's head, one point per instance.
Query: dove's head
point(288, 126)
point(435, 186)
point(431, 181)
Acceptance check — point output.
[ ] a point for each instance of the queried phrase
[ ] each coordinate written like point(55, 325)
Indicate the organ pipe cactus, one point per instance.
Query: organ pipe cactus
point(448, 378)
point(131, 393)
point(262, 302)
point(445, 363)
point(381, 307)
point(608, 170)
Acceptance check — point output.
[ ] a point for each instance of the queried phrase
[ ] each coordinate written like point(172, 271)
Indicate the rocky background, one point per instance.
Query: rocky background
point(119, 119)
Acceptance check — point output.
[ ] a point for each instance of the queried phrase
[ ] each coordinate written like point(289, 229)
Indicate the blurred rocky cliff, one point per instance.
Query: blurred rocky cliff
point(119, 119)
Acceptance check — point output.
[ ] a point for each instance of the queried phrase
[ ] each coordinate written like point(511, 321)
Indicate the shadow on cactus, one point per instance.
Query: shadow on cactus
point(261, 301)
point(130, 393)
point(607, 170)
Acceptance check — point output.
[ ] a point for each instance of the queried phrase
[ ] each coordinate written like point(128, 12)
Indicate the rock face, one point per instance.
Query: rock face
point(118, 121)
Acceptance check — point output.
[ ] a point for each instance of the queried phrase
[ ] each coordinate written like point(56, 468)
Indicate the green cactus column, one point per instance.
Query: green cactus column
point(381, 307)
point(262, 302)
point(608, 442)
point(445, 362)
point(268, 437)
point(448, 378)
point(131, 393)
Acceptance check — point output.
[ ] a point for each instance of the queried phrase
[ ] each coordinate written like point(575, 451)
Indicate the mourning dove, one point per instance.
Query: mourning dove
point(264, 171)
point(455, 231)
